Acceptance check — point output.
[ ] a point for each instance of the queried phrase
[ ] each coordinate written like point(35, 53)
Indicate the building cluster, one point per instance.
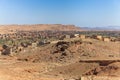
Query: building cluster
point(16, 42)
point(106, 39)
point(97, 37)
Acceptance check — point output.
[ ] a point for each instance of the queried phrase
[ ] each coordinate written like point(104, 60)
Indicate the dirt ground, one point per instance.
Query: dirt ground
point(61, 61)
point(12, 69)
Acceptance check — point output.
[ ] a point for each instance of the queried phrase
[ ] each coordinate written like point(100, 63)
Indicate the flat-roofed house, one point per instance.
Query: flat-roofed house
point(99, 37)
point(82, 36)
point(76, 35)
point(106, 39)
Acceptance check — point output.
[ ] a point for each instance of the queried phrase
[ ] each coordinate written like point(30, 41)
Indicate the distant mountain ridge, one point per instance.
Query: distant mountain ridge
point(116, 28)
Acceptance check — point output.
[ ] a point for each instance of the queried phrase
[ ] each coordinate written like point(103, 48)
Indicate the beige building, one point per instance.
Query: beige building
point(67, 36)
point(99, 37)
point(82, 36)
point(106, 39)
point(76, 35)
point(34, 45)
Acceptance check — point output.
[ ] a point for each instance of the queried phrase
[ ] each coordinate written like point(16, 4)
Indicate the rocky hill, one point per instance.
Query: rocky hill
point(37, 27)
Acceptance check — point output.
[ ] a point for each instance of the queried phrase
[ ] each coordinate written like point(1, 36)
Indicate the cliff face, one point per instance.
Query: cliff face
point(37, 27)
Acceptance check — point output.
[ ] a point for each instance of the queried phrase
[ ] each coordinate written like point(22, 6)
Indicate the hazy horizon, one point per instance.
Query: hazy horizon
point(83, 13)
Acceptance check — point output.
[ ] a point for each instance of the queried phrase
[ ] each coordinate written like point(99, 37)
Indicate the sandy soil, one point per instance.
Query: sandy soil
point(51, 63)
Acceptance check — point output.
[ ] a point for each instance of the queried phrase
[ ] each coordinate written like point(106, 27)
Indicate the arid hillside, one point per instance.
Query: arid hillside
point(68, 59)
point(37, 27)
point(62, 53)
point(62, 61)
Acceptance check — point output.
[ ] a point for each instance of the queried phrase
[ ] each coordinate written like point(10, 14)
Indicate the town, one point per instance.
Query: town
point(16, 42)
point(59, 39)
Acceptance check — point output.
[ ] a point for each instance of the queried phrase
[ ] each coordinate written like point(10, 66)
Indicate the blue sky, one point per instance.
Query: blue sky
point(88, 13)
